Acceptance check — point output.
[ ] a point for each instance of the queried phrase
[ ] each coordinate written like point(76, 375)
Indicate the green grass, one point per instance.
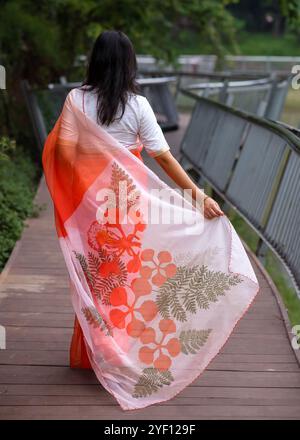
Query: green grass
point(247, 44)
point(244, 229)
point(290, 299)
point(287, 293)
point(291, 111)
point(267, 44)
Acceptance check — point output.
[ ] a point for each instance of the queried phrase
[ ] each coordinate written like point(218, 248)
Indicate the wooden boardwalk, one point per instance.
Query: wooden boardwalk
point(255, 376)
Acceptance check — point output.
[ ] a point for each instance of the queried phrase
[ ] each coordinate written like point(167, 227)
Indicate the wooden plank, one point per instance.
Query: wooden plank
point(94, 390)
point(34, 291)
point(43, 334)
point(247, 379)
point(245, 330)
point(54, 307)
point(22, 304)
point(61, 358)
point(241, 348)
point(264, 358)
point(225, 361)
point(45, 375)
point(25, 305)
point(37, 319)
point(47, 345)
point(157, 412)
point(246, 366)
point(60, 375)
point(37, 357)
point(102, 399)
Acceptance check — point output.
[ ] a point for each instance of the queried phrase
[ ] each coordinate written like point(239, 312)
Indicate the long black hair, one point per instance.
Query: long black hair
point(111, 73)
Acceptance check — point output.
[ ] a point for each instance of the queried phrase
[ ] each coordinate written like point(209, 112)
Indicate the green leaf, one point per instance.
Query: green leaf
point(94, 318)
point(150, 381)
point(192, 288)
point(119, 175)
point(84, 265)
point(192, 340)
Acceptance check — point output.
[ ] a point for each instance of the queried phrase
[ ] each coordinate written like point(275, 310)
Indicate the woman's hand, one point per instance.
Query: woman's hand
point(175, 171)
point(211, 208)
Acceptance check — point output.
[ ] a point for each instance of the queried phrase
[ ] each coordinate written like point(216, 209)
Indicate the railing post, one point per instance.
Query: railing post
point(261, 250)
point(223, 94)
point(177, 87)
point(35, 114)
point(277, 98)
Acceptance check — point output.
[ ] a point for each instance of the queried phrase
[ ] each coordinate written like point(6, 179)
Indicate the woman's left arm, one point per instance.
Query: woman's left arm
point(175, 171)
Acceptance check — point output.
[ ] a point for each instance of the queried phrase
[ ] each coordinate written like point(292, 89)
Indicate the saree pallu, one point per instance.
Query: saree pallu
point(78, 354)
point(156, 288)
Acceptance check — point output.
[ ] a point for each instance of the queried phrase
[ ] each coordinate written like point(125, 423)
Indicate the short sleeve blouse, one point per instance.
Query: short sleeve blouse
point(138, 123)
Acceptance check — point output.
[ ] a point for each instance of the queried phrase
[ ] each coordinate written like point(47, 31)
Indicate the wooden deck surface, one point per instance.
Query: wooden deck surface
point(255, 376)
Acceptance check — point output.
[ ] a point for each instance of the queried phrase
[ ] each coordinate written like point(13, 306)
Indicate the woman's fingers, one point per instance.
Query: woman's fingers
point(209, 214)
point(212, 209)
point(217, 210)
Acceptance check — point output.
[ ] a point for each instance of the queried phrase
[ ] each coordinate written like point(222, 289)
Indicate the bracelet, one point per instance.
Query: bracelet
point(206, 197)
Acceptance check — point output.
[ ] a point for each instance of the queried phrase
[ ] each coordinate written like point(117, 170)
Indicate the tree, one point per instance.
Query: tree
point(291, 10)
point(40, 40)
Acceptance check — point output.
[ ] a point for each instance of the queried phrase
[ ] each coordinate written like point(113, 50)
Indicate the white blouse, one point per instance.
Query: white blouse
point(138, 123)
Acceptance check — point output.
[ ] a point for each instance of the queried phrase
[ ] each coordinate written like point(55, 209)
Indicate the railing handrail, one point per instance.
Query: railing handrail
point(142, 81)
point(231, 84)
point(292, 139)
point(216, 75)
point(263, 58)
point(275, 58)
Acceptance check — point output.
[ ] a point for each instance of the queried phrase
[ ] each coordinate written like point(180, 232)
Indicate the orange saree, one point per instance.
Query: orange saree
point(156, 288)
point(78, 354)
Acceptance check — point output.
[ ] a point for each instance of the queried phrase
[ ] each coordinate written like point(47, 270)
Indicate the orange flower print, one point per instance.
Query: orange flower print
point(112, 237)
point(108, 268)
point(160, 352)
point(160, 268)
point(129, 318)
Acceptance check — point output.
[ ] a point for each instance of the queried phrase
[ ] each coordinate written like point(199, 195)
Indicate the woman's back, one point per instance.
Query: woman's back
point(138, 123)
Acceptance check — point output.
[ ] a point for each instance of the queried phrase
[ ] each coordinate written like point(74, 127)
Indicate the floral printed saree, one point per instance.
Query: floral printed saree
point(156, 292)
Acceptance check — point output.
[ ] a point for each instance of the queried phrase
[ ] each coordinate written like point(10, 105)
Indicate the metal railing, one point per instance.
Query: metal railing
point(259, 94)
point(262, 63)
point(254, 165)
point(45, 105)
point(188, 63)
point(233, 63)
point(263, 97)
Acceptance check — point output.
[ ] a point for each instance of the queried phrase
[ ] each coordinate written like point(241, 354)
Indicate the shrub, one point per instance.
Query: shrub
point(18, 181)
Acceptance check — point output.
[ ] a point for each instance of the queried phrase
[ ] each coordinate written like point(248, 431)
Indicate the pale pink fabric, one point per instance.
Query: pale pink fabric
point(155, 301)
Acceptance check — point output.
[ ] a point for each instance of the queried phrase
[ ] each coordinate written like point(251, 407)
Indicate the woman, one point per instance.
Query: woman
point(158, 281)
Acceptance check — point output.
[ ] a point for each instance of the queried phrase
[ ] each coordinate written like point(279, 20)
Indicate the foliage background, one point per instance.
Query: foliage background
point(41, 40)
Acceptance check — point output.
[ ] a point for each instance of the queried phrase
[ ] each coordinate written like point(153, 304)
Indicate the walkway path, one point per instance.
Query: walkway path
point(256, 375)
